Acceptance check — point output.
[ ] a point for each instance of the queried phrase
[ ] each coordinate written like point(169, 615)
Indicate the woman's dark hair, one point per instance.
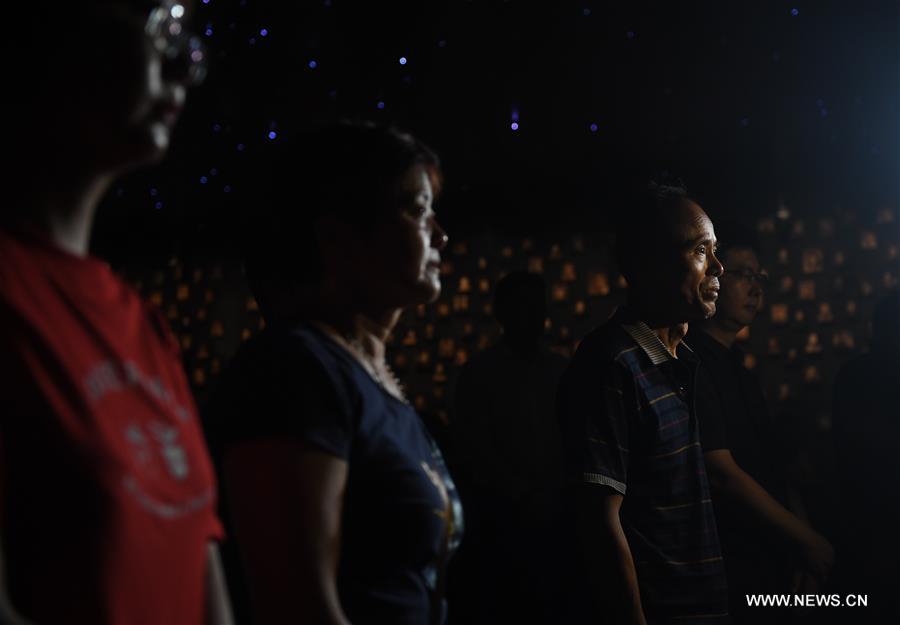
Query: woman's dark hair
point(641, 222)
point(348, 171)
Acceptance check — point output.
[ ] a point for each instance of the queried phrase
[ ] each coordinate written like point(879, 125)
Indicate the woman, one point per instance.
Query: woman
point(343, 509)
point(106, 490)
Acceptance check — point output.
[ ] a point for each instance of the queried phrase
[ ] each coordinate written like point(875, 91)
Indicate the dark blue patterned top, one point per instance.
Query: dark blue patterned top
point(402, 518)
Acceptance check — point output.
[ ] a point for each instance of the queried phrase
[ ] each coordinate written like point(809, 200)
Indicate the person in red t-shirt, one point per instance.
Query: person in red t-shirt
point(107, 495)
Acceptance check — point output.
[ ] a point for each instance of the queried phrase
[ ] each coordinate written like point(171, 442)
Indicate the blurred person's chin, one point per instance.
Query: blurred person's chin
point(426, 292)
point(430, 286)
point(160, 136)
point(143, 145)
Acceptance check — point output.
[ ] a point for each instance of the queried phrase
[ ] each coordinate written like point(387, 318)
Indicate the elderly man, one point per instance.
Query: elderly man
point(646, 530)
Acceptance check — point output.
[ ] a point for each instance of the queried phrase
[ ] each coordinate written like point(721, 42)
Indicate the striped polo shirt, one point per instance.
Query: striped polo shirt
point(628, 420)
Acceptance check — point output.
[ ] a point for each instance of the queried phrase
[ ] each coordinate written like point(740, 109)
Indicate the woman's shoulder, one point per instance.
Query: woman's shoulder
point(282, 351)
point(285, 382)
point(294, 360)
point(298, 346)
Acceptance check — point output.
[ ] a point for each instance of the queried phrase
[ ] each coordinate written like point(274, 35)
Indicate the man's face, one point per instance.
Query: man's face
point(688, 270)
point(741, 294)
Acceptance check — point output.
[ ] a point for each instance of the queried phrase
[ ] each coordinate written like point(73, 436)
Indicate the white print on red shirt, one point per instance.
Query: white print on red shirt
point(109, 376)
point(148, 441)
point(167, 446)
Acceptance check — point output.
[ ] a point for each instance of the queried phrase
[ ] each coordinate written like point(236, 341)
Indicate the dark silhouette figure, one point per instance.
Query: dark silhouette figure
point(506, 441)
point(866, 429)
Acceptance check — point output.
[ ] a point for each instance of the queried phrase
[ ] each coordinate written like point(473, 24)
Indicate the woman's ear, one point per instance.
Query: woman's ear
point(337, 240)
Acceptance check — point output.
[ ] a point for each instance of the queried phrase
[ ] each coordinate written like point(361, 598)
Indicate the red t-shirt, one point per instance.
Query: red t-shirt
point(108, 496)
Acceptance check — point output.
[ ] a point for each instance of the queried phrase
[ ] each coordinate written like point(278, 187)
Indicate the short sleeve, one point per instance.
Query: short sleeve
point(279, 388)
point(594, 424)
point(710, 413)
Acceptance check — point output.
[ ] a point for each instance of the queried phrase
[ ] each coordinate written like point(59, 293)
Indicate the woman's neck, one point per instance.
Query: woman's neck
point(369, 334)
point(366, 327)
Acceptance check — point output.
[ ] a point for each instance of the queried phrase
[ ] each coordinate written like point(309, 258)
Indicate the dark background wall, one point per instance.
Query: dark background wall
point(750, 103)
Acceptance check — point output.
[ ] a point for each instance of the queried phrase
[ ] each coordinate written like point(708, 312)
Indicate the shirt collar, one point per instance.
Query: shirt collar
point(649, 341)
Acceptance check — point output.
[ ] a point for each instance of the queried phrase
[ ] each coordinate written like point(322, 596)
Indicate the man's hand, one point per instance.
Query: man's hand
point(804, 583)
point(730, 480)
point(818, 556)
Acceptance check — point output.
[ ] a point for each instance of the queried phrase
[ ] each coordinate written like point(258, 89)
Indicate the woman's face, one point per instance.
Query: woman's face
point(400, 261)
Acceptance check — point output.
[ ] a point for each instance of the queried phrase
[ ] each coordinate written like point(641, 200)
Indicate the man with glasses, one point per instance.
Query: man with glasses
point(107, 494)
point(741, 448)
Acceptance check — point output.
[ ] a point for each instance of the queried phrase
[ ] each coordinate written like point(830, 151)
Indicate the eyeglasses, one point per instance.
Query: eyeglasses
point(748, 275)
point(183, 52)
